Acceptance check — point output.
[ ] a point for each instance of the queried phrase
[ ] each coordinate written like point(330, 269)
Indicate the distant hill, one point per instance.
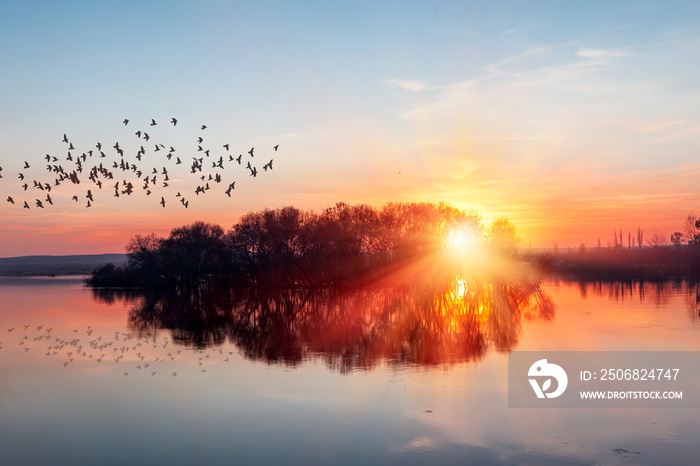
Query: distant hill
point(56, 265)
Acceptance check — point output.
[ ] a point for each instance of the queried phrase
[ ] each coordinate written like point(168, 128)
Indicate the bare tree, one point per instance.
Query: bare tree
point(640, 237)
point(657, 240)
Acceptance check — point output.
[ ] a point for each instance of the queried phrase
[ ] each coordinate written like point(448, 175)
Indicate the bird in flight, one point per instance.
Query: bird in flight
point(230, 187)
point(101, 172)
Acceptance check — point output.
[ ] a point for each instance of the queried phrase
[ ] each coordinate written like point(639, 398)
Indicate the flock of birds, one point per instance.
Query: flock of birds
point(148, 357)
point(111, 167)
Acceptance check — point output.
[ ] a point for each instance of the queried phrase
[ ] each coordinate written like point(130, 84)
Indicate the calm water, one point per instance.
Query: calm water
point(371, 376)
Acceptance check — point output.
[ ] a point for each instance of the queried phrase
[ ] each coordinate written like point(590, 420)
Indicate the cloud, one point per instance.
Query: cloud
point(412, 86)
point(589, 52)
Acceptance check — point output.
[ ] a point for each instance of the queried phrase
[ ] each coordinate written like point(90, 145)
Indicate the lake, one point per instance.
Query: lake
point(399, 376)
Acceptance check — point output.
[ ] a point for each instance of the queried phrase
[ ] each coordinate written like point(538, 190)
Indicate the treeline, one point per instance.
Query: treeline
point(343, 245)
point(674, 257)
point(613, 264)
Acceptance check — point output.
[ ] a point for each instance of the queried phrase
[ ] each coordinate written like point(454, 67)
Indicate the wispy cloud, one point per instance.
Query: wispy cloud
point(589, 52)
point(412, 86)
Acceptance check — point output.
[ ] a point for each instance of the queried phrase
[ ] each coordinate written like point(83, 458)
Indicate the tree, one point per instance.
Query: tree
point(677, 238)
point(144, 259)
point(691, 229)
point(640, 237)
point(503, 236)
point(657, 240)
point(194, 252)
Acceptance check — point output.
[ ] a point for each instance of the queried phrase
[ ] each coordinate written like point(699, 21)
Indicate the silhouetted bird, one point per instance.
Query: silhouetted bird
point(126, 121)
point(204, 127)
point(162, 201)
point(10, 200)
point(26, 206)
point(230, 187)
point(251, 151)
point(49, 200)
point(75, 198)
point(276, 147)
point(153, 122)
point(173, 121)
point(65, 138)
point(39, 204)
point(226, 146)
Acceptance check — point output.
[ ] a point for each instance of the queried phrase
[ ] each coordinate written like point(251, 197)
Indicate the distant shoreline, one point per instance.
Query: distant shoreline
point(47, 265)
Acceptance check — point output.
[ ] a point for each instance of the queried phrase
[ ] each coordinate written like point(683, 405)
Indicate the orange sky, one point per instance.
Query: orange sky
point(572, 122)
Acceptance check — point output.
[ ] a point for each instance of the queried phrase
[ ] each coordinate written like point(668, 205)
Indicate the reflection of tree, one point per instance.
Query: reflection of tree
point(441, 323)
point(656, 292)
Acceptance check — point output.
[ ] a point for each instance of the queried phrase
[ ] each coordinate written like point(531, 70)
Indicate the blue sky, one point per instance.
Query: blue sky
point(570, 118)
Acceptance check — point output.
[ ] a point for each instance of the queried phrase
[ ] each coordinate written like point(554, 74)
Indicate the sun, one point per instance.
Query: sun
point(462, 240)
point(455, 239)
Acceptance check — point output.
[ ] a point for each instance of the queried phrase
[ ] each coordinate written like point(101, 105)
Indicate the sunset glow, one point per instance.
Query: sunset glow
point(572, 122)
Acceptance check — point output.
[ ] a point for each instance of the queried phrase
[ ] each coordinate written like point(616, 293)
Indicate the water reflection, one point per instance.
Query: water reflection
point(448, 322)
point(659, 293)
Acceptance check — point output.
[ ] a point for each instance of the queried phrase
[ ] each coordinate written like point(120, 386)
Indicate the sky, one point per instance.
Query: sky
point(572, 119)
